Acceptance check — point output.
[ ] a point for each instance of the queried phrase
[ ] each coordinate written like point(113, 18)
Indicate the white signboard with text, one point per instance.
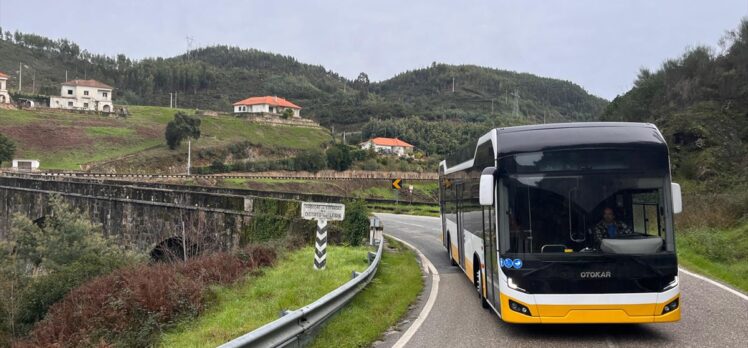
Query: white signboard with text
point(322, 211)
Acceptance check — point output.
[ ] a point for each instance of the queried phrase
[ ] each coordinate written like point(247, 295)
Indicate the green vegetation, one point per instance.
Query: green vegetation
point(7, 149)
point(380, 305)
point(41, 262)
point(68, 140)
point(700, 102)
point(719, 253)
point(214, 77)
point(182, 127)
point(405, 208)
point(356, 223)
point(246, 306)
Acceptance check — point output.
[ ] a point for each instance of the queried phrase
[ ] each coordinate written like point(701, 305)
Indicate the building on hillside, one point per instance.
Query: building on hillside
point(389, 146)
point(4, 96)
point(270, 106)
point(90, 95)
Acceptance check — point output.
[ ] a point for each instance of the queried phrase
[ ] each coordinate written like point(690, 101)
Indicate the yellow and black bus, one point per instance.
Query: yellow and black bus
point(565, 223)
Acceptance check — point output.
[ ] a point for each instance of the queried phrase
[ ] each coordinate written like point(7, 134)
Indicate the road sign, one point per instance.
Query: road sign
point(410, 189)
point(397, 183)
point(322, 211)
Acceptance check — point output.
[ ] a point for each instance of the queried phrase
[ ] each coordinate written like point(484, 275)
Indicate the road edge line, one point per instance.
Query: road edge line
point(715, 283)
point(427, 266)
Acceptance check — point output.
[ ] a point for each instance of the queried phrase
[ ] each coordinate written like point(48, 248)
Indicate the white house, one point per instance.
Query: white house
point(25, 165)
point(388, 146)
point(4, 96)
point(266, 105)
point(84, 95)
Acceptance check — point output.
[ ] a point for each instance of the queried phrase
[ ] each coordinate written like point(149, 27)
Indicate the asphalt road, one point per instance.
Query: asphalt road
point(711, 317)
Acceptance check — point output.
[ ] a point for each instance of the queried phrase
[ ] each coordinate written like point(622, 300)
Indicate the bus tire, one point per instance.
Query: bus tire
point(478, 282)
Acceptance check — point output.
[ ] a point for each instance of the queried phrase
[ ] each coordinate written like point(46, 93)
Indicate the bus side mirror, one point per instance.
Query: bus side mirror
point(487, 180)
point(677, 198)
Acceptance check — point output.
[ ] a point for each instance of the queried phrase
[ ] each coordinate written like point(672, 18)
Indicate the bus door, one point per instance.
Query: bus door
point(460, 226)
point(490, 252)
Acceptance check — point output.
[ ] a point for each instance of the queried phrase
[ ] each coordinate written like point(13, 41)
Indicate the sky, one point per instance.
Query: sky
point(600, 45)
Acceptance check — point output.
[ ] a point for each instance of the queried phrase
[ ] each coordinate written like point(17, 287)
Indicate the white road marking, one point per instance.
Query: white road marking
point(427, 267)
point(717, 284)
point(408, 224)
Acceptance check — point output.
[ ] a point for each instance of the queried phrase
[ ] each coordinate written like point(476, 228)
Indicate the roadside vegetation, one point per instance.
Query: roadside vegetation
point(712, 236)
point(258, 300)
point(380, 305)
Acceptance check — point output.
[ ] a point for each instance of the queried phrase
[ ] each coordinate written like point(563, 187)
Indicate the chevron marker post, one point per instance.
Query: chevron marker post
point(322, 213)
point(320, 246)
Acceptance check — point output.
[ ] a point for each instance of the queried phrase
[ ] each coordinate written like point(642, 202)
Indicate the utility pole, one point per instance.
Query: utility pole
point(453, 85)
point(175, 100)
point(189, 155)
point(20, 77)
point(171, 100)
point(66, 75)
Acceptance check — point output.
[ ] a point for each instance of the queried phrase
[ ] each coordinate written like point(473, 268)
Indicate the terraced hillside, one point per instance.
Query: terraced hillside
point(64, 140)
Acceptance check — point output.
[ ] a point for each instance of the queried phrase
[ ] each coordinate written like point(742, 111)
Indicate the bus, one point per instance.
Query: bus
point(565, 223)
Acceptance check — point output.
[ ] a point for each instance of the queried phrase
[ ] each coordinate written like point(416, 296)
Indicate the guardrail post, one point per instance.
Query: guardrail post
point(355, 274)
point(371, 256)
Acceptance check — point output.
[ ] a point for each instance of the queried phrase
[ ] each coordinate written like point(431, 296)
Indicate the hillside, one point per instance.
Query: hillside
point(64, 140)
point(700, 102)
point(214, 77)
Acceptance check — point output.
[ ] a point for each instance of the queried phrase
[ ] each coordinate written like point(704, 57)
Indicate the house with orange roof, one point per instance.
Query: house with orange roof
point(4, 96)
point(388, 146)
point(90, 95)
point(267, 105)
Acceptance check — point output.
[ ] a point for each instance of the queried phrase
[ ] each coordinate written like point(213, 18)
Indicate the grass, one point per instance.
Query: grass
point(405, 208)
point(380, 305)
point(67, 140)
point(291, 284)
point(718, 253)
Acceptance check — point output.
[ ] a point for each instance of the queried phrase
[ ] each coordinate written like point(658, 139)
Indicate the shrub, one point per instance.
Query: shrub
point(310, 160)
point(356, 222)
point(180, 128)
point(339, 157)
point(131, 306)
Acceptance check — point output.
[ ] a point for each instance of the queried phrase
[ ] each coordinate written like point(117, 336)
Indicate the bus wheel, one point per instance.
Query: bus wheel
point(479, 287)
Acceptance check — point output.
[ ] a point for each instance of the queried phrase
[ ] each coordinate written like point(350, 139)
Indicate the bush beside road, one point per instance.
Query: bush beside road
point(291, 284)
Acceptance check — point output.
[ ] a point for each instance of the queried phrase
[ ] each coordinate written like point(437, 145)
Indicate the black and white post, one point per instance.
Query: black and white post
point(322, 213)
point(320, 245)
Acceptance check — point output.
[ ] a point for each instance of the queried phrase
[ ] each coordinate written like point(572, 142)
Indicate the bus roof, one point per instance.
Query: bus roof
point(533, 138)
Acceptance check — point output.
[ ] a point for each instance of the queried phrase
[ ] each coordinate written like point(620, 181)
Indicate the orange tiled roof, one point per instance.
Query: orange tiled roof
point(274, 101)
point(87, 83)
point(390, 142)
point(3, 75)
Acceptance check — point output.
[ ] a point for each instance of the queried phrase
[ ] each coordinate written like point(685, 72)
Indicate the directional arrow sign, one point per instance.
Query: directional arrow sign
point(397, 183)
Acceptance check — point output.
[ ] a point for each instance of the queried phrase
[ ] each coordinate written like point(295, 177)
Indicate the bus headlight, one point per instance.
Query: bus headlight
point(671, 285)
point(519, 308)
point(510, 283)
point(673, 305)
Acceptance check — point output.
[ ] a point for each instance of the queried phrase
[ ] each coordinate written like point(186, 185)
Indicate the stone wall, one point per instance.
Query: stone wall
point(143, 217)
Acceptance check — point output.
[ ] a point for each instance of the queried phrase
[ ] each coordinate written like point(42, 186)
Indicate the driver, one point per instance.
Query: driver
point(609, 227)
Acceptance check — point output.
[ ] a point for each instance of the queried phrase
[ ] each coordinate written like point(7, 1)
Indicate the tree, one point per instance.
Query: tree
point(7, 149)
point(310, 160)
point(339, 157)
point(287, 113)
point(356, 222)
point(182, 127)
point(361, 84)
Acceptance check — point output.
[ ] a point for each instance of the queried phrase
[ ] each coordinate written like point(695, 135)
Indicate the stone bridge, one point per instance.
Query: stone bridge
point(147, 218)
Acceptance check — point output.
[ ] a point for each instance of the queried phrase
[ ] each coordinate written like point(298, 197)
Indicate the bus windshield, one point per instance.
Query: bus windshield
point(593, 201)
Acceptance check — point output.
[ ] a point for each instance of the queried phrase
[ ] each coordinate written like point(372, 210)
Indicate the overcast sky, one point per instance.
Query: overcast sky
point(598, 44)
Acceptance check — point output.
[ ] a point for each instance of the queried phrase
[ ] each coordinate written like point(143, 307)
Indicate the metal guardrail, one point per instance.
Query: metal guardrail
point(291, 329)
